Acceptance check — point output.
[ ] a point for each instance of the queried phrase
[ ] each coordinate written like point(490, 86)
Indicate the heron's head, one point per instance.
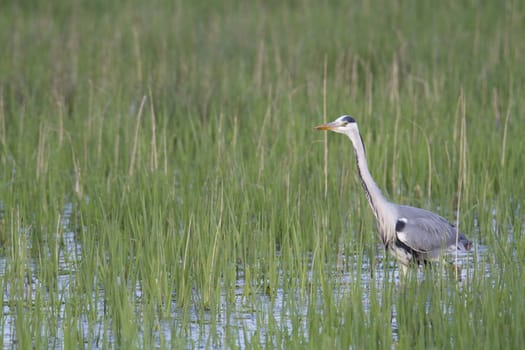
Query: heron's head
point(344, 125)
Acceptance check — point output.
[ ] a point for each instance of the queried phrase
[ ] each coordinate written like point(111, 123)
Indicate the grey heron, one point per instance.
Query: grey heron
point(414, 236)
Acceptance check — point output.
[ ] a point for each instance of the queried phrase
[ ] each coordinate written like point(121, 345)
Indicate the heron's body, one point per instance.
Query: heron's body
point(412, 235)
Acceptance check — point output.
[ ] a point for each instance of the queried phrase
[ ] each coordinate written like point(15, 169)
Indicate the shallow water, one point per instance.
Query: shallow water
point(245, 319)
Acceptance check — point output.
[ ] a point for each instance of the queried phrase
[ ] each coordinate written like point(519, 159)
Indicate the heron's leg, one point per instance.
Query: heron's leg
point(403, 271)
point(455, 271)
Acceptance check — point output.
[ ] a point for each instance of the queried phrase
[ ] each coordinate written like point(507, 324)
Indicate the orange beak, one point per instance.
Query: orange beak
point(327, 126)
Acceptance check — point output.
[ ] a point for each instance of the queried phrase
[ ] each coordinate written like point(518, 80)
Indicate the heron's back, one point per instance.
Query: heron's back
point(428, 233)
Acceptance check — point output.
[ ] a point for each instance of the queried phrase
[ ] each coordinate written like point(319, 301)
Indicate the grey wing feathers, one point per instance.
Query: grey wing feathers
point(425, 231)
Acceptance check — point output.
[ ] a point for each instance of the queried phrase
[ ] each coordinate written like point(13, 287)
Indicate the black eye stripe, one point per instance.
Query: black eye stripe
point(348, 119)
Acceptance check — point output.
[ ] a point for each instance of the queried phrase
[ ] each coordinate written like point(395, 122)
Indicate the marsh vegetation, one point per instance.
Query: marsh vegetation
point(161, 184)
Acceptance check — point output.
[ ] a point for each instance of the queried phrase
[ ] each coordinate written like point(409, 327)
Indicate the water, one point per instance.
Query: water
point(246, 318)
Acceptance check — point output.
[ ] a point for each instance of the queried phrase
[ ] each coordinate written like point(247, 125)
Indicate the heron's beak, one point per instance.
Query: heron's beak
point(327, 126)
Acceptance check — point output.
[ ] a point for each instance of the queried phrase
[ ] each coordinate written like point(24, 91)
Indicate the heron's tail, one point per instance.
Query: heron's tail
point(464, 243)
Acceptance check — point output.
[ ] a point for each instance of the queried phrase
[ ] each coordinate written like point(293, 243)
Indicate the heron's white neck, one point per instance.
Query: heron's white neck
point(378, 203)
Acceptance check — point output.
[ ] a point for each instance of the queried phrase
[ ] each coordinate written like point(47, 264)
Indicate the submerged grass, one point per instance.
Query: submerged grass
point(162, 185)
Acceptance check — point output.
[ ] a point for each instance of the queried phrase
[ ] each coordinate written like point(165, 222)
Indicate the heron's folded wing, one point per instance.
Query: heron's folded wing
point(424, 232)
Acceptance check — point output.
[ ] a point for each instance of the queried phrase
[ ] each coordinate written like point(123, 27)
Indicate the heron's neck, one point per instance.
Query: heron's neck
point(377, 201)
